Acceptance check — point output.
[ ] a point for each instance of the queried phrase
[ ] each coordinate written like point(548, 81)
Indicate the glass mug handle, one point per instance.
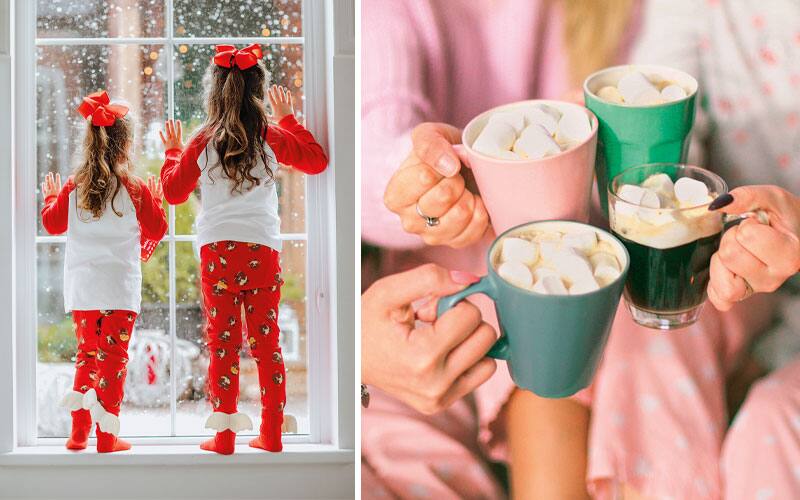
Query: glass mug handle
point(731, 220)
point(500, 349)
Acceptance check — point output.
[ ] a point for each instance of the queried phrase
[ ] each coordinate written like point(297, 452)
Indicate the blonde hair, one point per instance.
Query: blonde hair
point(593, 34)
point(106, 162)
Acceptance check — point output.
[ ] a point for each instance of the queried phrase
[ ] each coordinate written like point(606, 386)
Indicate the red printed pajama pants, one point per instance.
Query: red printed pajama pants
point(100, 369)
point(241, 292)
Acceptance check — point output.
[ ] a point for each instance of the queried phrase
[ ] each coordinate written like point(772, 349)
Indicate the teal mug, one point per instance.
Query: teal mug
point(553, 343)
point(634, 135)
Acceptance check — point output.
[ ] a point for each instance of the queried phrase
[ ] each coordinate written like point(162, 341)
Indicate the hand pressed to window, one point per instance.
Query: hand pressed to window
point(281, 102)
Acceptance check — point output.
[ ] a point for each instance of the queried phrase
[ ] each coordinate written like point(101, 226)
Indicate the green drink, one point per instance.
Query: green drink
point(660, 213)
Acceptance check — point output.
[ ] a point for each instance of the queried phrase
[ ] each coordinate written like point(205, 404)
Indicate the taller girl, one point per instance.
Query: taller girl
point(234, 157)
point(112, 219)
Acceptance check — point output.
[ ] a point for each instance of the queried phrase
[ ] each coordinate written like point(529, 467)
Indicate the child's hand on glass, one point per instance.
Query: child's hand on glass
point(154, 185)
point(281, 102)
point(51, 185)
point(173, 137)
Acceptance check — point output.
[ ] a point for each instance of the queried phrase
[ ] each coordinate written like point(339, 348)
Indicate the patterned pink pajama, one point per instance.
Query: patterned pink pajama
point(659, 421)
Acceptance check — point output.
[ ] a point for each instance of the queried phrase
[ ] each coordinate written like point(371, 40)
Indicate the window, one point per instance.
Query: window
point(153, 53)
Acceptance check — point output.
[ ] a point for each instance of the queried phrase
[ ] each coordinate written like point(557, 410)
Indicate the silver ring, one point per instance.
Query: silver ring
point(429, 221)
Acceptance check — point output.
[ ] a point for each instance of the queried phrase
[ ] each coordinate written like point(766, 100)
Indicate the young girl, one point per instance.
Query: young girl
point(234, 158)
point(112, 219)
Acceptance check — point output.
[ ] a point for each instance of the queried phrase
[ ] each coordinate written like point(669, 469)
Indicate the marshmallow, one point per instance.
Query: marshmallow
point(655, 217)
point(540, 272)
point(673, 92)
point(504, 155)
point(495, 136)
point(516, 273)
point(571, 265)
point(610, 94)
point(548, 248)
point(514, 118)
point(584, 241)
point(535, 142)
point(519, 250)
point(550, 285)
point(639, 196)
point(605, 267)
point(648, 97)
point(585, 285)
point(691, 192)
point(573, 127)
point(637, 89)
point(663, 186)
point(543, 115)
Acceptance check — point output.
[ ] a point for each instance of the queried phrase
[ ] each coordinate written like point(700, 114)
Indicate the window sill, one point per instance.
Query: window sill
point(150, 455)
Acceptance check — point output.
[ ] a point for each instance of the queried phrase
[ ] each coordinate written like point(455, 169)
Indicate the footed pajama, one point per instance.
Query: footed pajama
point(100, 369)
point(241, 292)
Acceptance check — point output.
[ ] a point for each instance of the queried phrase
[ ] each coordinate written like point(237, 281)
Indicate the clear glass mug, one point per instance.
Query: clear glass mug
point(670, 248)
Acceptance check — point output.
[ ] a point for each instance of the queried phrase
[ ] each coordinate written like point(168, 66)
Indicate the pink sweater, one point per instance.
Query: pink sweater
point(443, 61)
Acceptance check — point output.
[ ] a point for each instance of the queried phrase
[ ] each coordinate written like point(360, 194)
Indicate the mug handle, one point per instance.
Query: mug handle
point(733, 220)
point(500, 349)
point(461, 152)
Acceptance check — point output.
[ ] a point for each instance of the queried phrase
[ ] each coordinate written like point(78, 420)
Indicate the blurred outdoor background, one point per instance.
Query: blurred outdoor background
point(73, 60)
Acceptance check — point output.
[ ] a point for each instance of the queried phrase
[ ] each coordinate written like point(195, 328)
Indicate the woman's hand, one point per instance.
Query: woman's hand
point(173, 138)
point(764, 255)
point(154, 185)
point(429, 181)
point(426, 365)
point(281, 102)
point(51, 185)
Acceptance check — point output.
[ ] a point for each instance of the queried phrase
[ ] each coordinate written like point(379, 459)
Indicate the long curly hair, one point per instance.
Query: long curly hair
point(106, 162)
point(236, 121)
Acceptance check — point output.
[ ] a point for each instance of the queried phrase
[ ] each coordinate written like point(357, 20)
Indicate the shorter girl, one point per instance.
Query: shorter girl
point(234, 157)
point(112, 219)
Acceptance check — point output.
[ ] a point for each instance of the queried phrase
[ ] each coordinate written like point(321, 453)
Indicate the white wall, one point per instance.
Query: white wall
point(6, 234)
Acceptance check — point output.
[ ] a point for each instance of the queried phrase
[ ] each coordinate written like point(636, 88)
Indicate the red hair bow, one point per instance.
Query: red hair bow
point(99, 107)
point(227, 56)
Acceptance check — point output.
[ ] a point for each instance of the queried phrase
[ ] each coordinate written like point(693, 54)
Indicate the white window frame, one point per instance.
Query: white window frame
point(330, 343)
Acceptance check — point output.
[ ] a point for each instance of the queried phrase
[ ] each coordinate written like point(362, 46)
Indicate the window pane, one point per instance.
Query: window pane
point(247, 18)
point(286, 63)
point(65, 74)
point(99, 18)
point(145, 410)
point(193, 408)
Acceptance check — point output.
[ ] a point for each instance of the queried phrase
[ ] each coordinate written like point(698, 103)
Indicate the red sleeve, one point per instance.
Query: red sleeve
point(296, 147)
point(180, 171)
point(55, 212)
point(150, 214)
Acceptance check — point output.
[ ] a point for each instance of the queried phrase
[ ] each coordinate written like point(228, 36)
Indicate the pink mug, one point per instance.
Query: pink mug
point(520, 191)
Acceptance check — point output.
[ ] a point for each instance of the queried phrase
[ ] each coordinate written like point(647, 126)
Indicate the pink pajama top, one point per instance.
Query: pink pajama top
point(447, 61)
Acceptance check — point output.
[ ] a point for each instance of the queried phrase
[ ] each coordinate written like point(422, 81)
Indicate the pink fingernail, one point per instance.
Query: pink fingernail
point(464, 278)
point(447, 166)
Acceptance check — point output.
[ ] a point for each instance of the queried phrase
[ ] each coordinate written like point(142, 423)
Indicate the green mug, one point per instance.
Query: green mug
point(553, 343)
point(634, 135)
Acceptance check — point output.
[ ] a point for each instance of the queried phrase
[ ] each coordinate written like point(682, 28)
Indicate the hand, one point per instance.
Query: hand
point(764, 255)
point(51, 185)
point(173, 138)
point(154, 185)
point(429, 178)
point(281, 102)
point(428, 365)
